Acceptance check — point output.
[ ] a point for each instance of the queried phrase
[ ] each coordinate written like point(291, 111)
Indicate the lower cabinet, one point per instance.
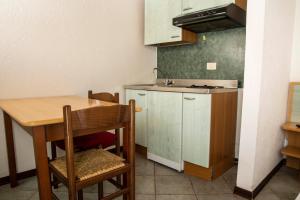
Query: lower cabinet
point(209, 126)
point(196, 128)
point(140, 96)
point(165, 128)
point(184, 130)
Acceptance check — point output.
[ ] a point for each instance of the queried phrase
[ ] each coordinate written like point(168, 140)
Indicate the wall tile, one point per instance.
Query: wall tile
point(226, 48)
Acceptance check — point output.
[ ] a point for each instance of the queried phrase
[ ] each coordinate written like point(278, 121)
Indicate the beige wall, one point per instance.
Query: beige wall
point(295, 70)
point(54, 47)
point(267, 74)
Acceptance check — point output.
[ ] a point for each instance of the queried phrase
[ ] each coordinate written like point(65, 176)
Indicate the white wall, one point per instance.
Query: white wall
point(295, 68)
point(267, 73)
point(54, 47)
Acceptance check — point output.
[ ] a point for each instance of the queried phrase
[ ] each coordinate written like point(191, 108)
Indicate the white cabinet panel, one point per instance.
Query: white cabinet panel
point(158, 21)
point(140, 96)
point(189, 6)
point(196, 128)
point(165, 128)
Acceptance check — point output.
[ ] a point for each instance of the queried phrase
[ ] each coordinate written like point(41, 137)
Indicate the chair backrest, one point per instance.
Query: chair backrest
point(91, 120)
point(104, 96)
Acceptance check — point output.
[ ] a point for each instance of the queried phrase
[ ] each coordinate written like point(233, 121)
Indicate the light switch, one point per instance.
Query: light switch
point(211, 66)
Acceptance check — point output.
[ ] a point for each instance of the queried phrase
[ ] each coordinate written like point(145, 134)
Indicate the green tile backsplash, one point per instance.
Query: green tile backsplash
point(226, 48)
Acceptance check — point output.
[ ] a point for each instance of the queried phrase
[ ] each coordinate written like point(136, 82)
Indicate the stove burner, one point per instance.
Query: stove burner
point(205, 87)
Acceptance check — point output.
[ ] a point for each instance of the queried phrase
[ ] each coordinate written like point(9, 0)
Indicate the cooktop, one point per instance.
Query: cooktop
point(205, 87)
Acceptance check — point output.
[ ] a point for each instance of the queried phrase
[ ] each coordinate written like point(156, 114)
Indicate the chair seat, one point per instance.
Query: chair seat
point(89, 163)
point(103, 139)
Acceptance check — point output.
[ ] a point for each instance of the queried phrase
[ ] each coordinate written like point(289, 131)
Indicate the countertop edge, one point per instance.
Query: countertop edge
point(179, 89)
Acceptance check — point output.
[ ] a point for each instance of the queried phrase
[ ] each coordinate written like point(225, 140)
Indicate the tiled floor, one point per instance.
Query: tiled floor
point(156, 182)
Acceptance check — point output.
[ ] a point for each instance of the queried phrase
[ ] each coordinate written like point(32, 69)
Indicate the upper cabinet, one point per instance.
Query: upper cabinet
point(159, 14)
point(159, 29)
point(189, 6)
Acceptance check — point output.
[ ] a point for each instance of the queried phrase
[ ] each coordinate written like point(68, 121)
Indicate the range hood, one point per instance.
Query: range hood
point(214, 19)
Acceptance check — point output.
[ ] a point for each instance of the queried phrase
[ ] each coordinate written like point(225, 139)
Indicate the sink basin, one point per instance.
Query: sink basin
point(145, 85)
point(158, 85)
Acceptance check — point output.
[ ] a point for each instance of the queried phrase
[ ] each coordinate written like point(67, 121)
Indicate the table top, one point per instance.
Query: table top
point(46, 110)
point(290, 126)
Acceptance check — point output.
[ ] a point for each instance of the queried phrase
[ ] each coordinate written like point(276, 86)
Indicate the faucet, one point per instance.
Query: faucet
point(167, 81)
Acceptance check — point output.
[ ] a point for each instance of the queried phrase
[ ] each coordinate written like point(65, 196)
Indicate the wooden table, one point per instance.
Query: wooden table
point(42, 118)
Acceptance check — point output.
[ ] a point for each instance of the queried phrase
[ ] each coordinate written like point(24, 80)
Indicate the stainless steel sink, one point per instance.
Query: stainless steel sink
point(160, 85)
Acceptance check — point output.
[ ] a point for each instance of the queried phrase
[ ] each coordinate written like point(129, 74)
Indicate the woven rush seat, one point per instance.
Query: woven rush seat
point(89, 163)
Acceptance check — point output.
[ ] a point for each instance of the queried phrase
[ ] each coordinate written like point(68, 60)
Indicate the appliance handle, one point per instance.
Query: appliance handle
point(141, 94)
point(190, 99)
point(186, 9)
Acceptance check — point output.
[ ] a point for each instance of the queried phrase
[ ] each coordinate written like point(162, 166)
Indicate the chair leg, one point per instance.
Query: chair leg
point(100, 190)
point(131, 195)
point(80, 195)
point(54, 156)
point(72, 193)
point(126, 183)
point(118, 150)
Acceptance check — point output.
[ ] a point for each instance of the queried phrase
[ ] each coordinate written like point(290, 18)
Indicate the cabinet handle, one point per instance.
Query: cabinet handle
point(175, 36)
point(191, 99)
point(186, 9)
point(141, 94)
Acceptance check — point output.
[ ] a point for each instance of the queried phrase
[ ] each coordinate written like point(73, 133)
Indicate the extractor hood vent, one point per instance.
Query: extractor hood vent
point(214, 19)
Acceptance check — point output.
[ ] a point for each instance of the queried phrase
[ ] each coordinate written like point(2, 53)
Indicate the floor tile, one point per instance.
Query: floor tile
point(230, 177)
point(161, 170)
point(170, 184)
point(143, 167)
point(144, 185)
point(173, 185)
point(267, 196)
point(176, 197)
point(28, 184)
point(108, 188)
point(16, 195)
point(285, 184)
point(218, 186)
point(144, 197)
point(217, 197)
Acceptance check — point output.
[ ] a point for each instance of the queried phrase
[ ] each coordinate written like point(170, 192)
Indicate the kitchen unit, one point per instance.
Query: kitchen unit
point(159, 29)
point(140, 97)
point(159, 15)
point(189, 6)
point(190, 129)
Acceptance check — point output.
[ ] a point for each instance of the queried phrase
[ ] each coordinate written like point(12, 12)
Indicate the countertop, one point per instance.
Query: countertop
point(178, 88)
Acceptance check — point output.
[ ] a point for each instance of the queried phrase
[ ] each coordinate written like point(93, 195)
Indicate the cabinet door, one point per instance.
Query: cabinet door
point(140, 96)
point(165, 128)
point(189, 6)
point(158, 21)
point(196, 128)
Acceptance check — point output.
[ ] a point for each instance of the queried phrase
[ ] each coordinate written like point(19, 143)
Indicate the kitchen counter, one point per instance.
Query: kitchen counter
point(178, 88)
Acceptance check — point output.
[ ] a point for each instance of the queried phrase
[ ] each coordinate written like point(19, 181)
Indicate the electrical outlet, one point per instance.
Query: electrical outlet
point(211, 66)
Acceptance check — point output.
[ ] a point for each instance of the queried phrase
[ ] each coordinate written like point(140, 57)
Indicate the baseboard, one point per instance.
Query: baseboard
point(20, 176)
point(251, 195)
point(141, 150)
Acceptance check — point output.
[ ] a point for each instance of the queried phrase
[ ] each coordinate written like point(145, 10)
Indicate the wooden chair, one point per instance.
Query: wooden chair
point(85, 168)
point(102, 139)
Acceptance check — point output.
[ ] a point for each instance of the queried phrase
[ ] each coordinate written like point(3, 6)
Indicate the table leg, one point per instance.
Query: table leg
point(10, 150)
point(41, 161)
